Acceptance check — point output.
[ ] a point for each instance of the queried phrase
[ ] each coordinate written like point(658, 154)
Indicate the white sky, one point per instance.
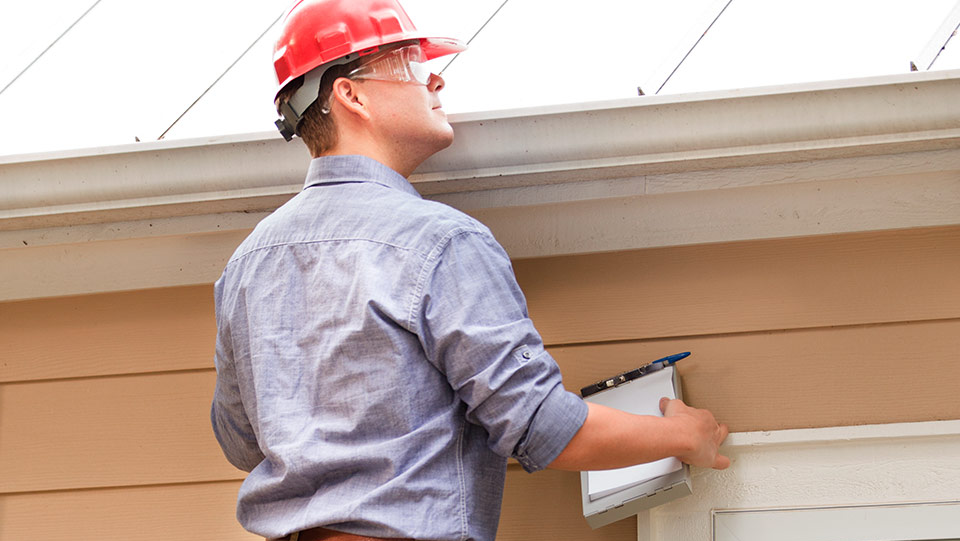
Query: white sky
point(130, 68)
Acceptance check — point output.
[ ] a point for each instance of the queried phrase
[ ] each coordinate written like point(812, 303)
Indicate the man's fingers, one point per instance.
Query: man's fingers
point(663, 404)
point(710, 442)
point(723, 431)
point(722, 462)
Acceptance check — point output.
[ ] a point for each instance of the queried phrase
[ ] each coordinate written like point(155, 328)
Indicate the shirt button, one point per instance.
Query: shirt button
point(527, 355)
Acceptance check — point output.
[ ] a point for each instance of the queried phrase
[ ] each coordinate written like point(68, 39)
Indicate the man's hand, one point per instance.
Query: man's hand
point(706, 434)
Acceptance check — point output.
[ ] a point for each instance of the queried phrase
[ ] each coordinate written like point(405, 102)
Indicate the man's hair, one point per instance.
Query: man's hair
point(317, 129)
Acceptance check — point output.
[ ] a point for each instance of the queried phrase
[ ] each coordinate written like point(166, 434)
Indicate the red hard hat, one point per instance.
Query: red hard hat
point(317, 34)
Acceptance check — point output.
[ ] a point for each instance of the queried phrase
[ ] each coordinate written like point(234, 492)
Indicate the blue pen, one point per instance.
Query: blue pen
point(660, 364)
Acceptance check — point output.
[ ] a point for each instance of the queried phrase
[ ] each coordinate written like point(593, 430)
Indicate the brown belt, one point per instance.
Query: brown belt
point(323, 534)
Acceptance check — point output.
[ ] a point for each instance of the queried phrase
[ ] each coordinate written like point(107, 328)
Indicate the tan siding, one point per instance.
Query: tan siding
point(151, 429)
point(155, 513)
point(113, 390)
point(125, 430)
point(546, 506)
point(661, 292)
point(900, 372)
point(748, 286)
point(206, 511)
point(112, 333)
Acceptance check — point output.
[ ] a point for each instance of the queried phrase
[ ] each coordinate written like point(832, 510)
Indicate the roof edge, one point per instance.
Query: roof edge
point(558, 144)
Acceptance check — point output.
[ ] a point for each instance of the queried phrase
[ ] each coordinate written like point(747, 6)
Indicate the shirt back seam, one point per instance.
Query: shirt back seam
point(321, 241)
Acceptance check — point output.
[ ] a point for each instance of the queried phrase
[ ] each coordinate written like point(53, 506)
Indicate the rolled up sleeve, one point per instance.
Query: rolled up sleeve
point(473, 324)
point(557, 420)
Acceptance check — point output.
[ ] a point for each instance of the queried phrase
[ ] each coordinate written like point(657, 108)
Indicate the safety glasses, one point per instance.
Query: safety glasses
point(403, 64)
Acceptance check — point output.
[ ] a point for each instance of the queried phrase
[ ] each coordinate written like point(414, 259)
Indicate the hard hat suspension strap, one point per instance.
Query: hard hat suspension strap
point(291, 111)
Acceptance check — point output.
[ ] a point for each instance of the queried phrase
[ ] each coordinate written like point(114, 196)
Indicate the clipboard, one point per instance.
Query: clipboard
point(613, 495)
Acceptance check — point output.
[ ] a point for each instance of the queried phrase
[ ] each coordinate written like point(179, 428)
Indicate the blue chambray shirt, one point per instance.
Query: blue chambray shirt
point(376, 365)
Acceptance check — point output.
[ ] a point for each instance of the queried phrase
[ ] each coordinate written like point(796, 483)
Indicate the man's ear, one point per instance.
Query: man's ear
point(350, 96)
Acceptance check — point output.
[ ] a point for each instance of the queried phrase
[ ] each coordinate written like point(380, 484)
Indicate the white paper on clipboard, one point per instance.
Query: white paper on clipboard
point(644, 399)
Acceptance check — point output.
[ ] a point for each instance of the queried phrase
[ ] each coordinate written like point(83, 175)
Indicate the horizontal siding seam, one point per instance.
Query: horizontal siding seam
point(112, 376)
point(615, 341)
point(240, 478)
point(665, 338)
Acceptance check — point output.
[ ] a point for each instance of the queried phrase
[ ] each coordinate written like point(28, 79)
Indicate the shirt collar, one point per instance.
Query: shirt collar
point(355, 168)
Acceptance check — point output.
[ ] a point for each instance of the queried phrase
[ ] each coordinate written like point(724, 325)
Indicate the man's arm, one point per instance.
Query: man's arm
point(230, 424)
point(611, 438)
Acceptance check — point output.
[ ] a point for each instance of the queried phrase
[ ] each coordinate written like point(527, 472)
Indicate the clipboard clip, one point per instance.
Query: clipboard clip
point(610, 383)
point(631, 375)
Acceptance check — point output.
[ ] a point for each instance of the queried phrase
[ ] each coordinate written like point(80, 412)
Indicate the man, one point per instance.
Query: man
point(375, 361)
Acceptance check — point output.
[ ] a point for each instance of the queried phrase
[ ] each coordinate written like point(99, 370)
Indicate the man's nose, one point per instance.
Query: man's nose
point(436, 83)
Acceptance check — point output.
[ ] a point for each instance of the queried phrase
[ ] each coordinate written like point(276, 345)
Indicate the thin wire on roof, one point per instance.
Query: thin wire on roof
point(948, 29)
point(217, 80)
point(475, 34)
point(54, 42)
point(694, 46)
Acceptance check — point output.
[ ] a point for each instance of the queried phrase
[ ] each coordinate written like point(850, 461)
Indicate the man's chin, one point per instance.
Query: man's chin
point(447, 138)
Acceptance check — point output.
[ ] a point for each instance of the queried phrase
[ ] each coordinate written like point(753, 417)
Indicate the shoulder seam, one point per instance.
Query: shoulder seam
point(429, 263)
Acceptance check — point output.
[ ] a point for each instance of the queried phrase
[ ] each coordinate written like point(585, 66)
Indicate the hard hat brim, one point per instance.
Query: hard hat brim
point(437, 47)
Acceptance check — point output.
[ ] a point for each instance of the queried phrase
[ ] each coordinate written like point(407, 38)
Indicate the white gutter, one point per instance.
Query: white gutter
point(505, 149)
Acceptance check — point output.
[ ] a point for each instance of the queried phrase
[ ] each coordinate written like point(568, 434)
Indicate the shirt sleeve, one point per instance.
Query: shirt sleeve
point(231, 425)
point(473, 323)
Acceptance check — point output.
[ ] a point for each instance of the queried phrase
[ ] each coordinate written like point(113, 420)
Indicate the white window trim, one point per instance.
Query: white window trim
point(875, 466)
point(891, 522)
